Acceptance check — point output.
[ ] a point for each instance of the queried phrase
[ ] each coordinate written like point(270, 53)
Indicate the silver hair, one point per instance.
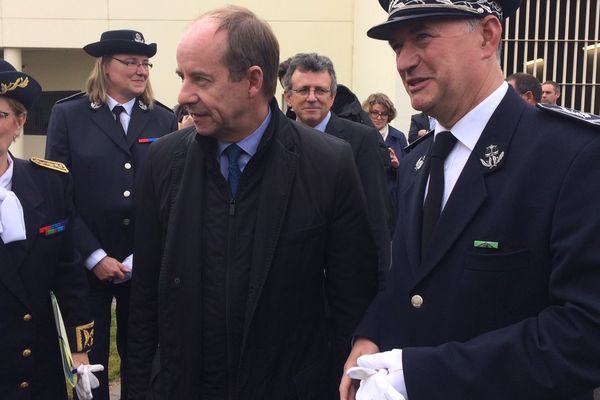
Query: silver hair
point(310, 62)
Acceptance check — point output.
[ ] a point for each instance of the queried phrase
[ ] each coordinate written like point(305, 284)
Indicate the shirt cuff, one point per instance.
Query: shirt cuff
point(94, 258)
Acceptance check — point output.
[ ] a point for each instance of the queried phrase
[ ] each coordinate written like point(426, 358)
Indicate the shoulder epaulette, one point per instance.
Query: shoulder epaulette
point(55, 165)
point(71, 97)
point(158, 103)
point(587, 118)
point(420, 140)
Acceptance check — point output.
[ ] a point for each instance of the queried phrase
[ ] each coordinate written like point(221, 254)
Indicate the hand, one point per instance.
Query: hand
point(348, 386)
point(422, 132)
point(79, 358)
point(86, 380)
point(395, 161)
point(108, 269)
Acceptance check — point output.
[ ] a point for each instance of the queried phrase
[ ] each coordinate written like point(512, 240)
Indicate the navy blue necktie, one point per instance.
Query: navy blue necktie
point(432, 208)
point(117, 110)
point(233, 152)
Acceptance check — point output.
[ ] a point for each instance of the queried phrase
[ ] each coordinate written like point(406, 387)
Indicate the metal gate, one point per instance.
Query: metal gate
point(557, 40)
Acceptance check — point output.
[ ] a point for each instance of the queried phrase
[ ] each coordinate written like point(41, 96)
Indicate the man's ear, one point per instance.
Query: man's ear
point(255, 77)
point(491, 34)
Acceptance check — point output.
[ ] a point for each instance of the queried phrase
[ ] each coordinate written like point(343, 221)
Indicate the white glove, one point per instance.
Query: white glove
point(86, 380)
point(391, 362)
point(128, 263)
point(373, 385)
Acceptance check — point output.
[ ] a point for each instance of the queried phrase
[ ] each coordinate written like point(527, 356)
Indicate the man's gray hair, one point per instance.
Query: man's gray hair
point(310, 62)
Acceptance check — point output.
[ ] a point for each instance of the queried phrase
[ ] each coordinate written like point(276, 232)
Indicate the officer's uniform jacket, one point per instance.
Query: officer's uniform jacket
point(506, 302)
point(104, 164)
point(30, 363)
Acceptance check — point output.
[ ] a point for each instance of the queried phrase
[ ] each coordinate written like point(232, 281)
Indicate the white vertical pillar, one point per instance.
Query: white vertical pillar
point(14, 56)
point(374, 63)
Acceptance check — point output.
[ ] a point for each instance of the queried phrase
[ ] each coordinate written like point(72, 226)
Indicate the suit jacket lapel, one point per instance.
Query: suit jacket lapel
point(470, 191)
point(279, 173)
point(137, 124)
point(333, 127)
point(413, 198)
point(105, 120)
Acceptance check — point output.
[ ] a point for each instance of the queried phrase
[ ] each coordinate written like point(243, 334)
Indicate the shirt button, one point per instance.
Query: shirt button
point(26, 353)
point(27, 317)
point(24, 385)
point(126, 193)
point(126, 221)
point(127, 165)
point(416, 301)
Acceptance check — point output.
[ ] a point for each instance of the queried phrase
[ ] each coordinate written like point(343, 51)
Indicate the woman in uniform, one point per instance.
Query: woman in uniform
point(36, 257)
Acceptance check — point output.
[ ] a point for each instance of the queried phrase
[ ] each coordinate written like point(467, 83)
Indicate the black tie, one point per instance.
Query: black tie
point(233, 152)
point(117, 110)
point(442, 145)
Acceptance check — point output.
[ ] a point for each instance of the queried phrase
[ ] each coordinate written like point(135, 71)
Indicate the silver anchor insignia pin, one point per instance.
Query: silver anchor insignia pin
point(142, 105)
point(493, 157)
point(419, 163)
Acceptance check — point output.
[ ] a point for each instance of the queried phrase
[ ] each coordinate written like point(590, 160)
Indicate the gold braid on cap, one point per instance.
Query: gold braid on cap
point(19, 83)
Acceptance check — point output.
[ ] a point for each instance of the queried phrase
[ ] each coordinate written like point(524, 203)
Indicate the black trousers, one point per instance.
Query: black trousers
point(101, 299)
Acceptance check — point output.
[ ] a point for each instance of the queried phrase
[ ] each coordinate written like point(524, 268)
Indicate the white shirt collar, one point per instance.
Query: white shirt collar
point(111, 103)
point(385, 131)
point(469, 128)
point(6, 177)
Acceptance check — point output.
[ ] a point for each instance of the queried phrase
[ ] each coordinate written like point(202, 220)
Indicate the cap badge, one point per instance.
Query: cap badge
point(19, 83)
point(139, 38)
point(142, 105)
point(419, 163)
point(493, 157)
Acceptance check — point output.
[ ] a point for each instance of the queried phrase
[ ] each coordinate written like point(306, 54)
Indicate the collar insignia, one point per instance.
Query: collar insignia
point(419, 163)
point(493, 157)
point(94, 105)
point(142, 105)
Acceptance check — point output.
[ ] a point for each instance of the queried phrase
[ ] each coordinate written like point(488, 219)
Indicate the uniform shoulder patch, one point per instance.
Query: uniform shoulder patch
point(587, 118)
point(71, 97)
point(55, 165)
point(420, 140)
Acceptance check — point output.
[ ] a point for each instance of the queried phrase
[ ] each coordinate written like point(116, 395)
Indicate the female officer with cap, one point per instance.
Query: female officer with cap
point(36, 257)
point(102, 136)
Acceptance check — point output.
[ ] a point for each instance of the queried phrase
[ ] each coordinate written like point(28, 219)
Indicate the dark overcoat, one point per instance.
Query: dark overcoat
point(364, 142)
point(505, 304)
point(30, 364)
point(311, 252)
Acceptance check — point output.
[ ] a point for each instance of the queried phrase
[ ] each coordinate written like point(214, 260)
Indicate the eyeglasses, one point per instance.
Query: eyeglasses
point(305, 91)
point(4, 115)
point(381, 115)
point(134, 65)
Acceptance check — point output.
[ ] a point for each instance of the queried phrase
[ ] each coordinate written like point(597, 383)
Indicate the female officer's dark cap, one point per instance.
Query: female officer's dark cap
point(18, 85)
point(401, 11)
point(122, 41)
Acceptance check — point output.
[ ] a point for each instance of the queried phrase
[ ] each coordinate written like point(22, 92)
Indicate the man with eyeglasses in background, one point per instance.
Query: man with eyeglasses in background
point(103, 136)
point(310, 88)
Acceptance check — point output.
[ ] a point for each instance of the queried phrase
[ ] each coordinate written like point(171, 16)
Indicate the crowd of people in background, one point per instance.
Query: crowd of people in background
point(312, 253)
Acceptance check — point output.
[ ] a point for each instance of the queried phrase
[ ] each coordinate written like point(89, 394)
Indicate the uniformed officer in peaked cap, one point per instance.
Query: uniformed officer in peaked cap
point(36, 257)
point(493, 291)
point(103, 136)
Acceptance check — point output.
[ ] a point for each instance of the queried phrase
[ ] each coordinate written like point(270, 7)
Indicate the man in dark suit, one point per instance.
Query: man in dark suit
point(310, 87)
point(493, 292)
point(103, 137)
point(420, 124)
point(253, 255)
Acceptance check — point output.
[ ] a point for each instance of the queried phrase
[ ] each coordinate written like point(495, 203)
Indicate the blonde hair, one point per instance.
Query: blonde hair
point(97, 84)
